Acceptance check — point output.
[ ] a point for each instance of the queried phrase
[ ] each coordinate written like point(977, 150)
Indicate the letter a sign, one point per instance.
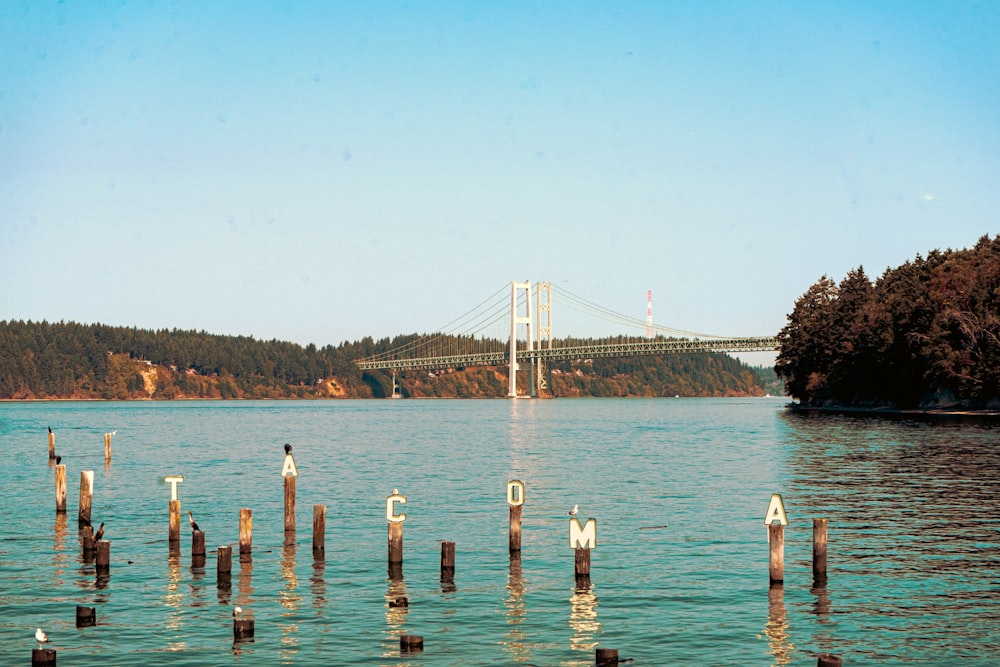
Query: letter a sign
point(776, 511)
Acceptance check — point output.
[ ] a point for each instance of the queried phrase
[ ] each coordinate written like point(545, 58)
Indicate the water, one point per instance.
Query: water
point(679, 488)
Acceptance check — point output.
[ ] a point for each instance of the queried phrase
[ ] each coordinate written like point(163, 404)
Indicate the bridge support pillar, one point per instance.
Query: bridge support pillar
point(515, 319)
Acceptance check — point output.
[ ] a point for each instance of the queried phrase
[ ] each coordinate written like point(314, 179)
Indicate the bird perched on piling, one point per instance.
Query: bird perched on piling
point(288, 448)
point(41, 637)
point(573, 512)
point(99, 535)
point(58, 460)
point(236, 612)
point(194, 526)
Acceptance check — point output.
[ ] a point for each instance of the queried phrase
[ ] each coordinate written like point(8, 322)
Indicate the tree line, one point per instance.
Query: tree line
point(925, 334)
point(45, 360)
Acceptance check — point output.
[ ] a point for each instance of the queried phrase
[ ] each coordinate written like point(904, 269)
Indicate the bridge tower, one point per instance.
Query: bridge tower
point(543, 299)
point(515, 319)
point(649, 313)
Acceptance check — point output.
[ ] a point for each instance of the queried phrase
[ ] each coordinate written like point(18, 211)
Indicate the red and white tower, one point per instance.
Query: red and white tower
point(649, 313)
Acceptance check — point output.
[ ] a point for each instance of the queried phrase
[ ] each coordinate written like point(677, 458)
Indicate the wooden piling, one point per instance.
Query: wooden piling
point(86, 617)
point(447, 561)
point(61, 487)
point(319, 532)
point(86, 495)
point(52, 444)
point(103, 562)
point(607, 657)
point(246, 535)
point(289, 508)
point(43, 657)
point(515, 530)
point(243, 629)
point(582, 565)
point(198, 545)
point(776, 566)
point(411, 643)
point(224, 567)
point(396, 543)
point(174, 527)
point(819, 551)
point(87, 538)
point(829, 660)
point(107, 448)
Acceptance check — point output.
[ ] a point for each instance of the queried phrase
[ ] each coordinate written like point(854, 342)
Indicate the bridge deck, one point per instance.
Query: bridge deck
point(640, 347)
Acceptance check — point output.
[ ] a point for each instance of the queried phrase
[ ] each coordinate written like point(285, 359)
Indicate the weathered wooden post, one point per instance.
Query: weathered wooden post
point(107, 448)
point(246, 535)
point(395, 529)
point(224, 567)
point(411, 643)
point(243, 628)
point(319, 532)
point(198, 548)
point(447, 567)
point(89, 545)
point(43, 657)
point(582, 539)
point(86, 617)
point(103, 562)
point(515, 499)
point(829, 660)
point(819, 552)
point(776, 538)
point(289, 472)
point(86, 496)
point(174, 509)
point(60, 487)
point(52, 444)
point(607, 657)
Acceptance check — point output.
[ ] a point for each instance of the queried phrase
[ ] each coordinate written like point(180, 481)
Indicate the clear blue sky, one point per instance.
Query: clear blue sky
point(319, 172)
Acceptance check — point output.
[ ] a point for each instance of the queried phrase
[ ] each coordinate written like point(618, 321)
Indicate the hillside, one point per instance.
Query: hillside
point(67, 360)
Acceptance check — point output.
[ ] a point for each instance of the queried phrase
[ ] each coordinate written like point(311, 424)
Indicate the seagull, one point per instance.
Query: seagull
point(288, 448)
point(99, 535)
point(395, 492)
point(572, 512)
point(194, 526)
point(41, 637)
point(236, 612)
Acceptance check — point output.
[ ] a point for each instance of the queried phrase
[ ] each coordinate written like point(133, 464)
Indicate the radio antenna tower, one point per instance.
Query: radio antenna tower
point(649, 313)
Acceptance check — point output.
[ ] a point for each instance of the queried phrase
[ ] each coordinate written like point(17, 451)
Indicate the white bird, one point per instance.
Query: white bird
point(572, 512)
point(237, 611)
point(41, 637)
point(395, 492)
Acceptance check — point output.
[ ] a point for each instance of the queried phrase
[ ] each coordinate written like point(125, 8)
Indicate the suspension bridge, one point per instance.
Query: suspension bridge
point(525, 315)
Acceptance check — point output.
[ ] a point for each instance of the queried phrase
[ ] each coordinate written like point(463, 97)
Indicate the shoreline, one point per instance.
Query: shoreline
point(922, 413)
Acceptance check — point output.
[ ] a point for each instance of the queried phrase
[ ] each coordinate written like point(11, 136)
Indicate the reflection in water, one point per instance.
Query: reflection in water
point(776, 628)
point(396, 609)
point(516, 612)
point(198, 584)
point(59, 545)
point(824, 635)
point(583, 619)
point(244, 585)
point(174, 599)
point(289, 600)
point(317, 584)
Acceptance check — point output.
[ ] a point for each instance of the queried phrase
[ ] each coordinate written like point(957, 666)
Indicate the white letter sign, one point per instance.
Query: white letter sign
point(582, 537)
point(776, 511)
point(515, 492)
point(289, 467)
point(173, 481)
point(390, 507)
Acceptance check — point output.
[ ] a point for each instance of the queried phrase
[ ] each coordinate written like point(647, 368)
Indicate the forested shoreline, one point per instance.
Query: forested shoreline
point(924, 335)
point(69, 360)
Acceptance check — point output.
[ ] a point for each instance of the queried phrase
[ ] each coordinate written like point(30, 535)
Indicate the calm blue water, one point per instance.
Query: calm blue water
point(914, 555)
